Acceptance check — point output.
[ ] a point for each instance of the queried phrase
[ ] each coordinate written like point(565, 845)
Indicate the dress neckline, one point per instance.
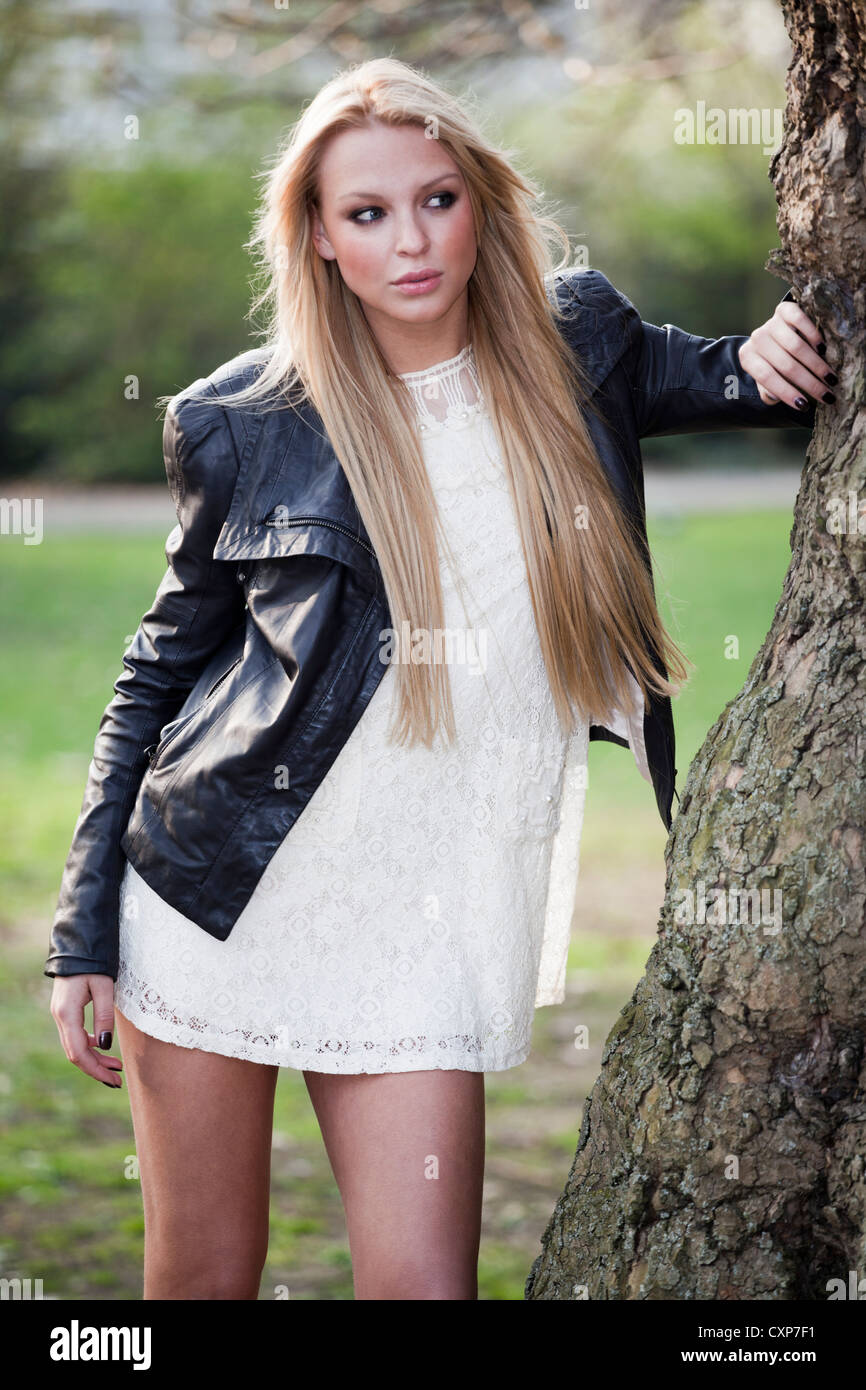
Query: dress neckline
point(447, 395)
point(439, 368)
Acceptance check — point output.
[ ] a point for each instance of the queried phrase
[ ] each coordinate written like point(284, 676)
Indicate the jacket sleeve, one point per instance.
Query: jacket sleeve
point(684, 384)
point(197, 604)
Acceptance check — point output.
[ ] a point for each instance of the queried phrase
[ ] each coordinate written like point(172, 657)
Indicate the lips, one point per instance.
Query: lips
point(415, 275)
point(419, 282)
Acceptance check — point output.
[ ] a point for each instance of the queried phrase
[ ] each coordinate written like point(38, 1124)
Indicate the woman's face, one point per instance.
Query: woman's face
point(393, 203)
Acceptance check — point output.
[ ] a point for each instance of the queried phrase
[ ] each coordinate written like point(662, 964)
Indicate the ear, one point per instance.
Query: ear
point(320, 236)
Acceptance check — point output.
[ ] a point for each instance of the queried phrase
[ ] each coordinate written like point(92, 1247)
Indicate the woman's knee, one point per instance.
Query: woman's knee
point(413, 1279)
point(204, 1272)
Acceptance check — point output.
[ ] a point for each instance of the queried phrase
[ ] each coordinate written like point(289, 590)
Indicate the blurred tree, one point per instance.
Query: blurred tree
point(721, 1150)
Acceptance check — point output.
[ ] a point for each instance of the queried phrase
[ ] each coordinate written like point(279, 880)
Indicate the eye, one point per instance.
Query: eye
point(360, 215)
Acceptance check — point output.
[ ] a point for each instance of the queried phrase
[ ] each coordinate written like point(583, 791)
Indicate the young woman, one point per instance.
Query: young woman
point(439, 441)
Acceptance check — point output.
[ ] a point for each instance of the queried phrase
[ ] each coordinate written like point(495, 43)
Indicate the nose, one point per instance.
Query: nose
point(411, 238)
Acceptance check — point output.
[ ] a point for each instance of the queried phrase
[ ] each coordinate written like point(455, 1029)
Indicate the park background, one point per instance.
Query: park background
point(125, 256)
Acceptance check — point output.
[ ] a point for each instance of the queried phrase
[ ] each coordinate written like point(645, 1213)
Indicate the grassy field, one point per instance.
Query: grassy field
point(70, 1214)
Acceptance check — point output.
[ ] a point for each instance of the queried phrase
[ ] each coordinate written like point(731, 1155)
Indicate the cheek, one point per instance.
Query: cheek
point(460, 236)
point(359, 258)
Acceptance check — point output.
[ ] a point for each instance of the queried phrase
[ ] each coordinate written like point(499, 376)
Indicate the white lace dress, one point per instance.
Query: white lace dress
point(419, 909)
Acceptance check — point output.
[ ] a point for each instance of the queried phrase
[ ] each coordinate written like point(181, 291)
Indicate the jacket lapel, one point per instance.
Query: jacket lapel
point(292, 496)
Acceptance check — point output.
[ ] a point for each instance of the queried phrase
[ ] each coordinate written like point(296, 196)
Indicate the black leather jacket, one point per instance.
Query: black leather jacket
point(261, 649)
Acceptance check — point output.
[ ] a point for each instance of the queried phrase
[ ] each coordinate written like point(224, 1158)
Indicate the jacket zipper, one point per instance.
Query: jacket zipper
point(319, 521)
point(156, 750)
point(225, 675)
point(153, 747)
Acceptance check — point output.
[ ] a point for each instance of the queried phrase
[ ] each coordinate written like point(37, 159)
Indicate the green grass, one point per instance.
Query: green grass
point(68, 1213)
point(716, 577)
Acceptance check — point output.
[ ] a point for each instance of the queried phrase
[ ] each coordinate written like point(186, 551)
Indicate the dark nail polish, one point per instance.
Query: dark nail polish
point(110, 1084)
point(801, 403)
point(822, 349)
point(829, 398)
point(105, 1040)
point(831, 378)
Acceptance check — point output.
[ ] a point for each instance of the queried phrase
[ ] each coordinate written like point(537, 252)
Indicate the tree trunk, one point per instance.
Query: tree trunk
point(722, 1153)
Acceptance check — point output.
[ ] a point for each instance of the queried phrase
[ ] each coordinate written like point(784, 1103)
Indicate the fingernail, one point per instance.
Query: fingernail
point(829, 398)
point(831, 378)
point(802, 404)
point(105, 1041)
point(110, 1084)
point(822, 349)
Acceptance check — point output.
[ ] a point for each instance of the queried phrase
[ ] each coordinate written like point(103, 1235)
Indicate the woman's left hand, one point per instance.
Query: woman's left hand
point(781, 356)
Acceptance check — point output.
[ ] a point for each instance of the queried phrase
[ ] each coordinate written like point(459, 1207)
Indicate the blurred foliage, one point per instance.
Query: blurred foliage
point(683, 230)
point(123, 258)
point(140, 274)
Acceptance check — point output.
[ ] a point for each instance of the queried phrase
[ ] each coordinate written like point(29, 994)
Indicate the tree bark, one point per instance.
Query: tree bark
point(722, 1153)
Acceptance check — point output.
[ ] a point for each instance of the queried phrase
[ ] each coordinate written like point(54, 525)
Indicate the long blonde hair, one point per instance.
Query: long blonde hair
point(590, 588)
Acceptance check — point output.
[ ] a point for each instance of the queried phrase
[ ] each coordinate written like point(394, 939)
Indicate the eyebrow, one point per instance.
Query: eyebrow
point(439, 178)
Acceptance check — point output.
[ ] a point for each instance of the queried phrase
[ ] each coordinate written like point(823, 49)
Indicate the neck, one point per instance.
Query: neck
point(410, 347)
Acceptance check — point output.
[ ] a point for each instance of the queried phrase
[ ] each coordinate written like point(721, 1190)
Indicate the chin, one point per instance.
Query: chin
point(416, 313)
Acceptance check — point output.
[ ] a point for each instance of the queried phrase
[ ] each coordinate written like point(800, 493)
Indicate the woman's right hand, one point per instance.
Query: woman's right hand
point(69, 998)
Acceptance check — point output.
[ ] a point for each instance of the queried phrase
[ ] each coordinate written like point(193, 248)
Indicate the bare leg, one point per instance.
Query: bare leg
point(203, 1126)
point(407, 1151)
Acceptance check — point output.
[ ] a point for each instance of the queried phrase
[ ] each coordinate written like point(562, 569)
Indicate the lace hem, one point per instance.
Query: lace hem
point(148, 1011)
